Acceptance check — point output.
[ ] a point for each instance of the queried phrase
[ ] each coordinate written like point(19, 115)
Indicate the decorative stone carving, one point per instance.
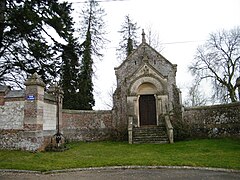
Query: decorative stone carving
point(35, 80)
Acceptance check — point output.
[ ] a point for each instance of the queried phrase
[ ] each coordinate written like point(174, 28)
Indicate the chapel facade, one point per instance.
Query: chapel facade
point(146, 92)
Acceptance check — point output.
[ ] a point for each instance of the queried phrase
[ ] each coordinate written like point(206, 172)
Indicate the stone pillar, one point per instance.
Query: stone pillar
point(130, 129)
point(34, 102)
point(3, 92)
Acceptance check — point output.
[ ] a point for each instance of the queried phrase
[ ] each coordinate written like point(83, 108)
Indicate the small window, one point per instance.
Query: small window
point(135, 62)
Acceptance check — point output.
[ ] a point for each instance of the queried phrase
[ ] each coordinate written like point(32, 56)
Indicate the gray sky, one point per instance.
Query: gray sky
point(181, 26)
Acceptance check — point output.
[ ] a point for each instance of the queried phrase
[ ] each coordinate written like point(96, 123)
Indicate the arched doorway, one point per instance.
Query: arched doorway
point(147, 110)
point(147, 104)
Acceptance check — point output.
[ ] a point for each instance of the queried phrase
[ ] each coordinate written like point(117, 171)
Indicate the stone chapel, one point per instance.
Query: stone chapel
point(146, 94)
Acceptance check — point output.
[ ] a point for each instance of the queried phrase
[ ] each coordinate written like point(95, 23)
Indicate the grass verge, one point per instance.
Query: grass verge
point(219, 153)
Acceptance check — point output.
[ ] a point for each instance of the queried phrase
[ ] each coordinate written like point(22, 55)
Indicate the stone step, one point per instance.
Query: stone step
point(150, 134)
point(150, 139)
point(151, 142)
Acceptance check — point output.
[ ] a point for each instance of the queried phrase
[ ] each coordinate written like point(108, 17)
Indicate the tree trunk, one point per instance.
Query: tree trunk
point(2, 10)
point(232, 95)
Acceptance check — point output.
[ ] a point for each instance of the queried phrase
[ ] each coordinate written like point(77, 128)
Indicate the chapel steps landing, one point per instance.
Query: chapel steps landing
point(150, 134)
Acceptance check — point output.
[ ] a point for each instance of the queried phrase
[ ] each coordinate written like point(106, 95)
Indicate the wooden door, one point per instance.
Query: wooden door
point(147, 110)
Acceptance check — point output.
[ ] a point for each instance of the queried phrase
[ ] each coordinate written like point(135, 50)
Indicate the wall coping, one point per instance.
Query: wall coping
point(49, 97)
point(69, 111)
point(4, 89)
point(15, 94)
point(235, 104)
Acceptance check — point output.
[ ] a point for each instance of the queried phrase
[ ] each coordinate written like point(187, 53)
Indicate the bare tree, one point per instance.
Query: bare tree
point(153, 39)
point(219, 60)
point(195, 96)
point(109, 100)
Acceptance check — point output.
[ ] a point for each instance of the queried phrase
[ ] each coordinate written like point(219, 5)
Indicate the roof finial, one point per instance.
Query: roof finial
point(143, 36)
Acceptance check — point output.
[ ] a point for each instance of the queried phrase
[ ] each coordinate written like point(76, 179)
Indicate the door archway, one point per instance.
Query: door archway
point(147, 110)
point(147, 104)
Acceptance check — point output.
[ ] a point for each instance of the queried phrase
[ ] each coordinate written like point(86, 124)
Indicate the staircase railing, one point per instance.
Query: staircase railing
point(169, 128)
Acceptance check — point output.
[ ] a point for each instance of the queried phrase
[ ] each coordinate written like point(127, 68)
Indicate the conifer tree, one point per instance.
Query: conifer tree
point(129, 41)
point(70, 74)
point(86, 72)
point(92, 32)
point(27, 44)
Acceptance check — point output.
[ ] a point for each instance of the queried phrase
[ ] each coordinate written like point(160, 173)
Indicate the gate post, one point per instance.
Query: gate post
point(33, 112)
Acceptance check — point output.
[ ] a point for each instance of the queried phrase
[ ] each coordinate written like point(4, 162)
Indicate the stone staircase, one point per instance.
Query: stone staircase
point(150, 134)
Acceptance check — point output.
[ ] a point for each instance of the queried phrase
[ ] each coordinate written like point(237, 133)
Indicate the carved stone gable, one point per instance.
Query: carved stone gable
point(146, 70)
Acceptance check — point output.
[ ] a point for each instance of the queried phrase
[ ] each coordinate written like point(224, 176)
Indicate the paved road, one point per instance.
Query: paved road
point(129, 174)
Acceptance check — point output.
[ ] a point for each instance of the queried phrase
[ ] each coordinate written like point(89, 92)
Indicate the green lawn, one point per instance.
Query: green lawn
point(221, 153)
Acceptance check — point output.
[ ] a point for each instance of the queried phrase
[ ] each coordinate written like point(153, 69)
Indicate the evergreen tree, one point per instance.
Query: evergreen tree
point(27, 44)
point(86, 72)
point(93, 31)
point(129, 38)
point(70, 74)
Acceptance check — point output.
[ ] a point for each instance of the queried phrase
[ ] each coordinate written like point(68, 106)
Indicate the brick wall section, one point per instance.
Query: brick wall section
point(87, 125)
point(213, 121)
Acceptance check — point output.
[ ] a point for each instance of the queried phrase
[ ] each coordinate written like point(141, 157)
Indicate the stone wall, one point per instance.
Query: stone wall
point(12, 115)
point(22, 140)
point(49, 116)
point(211, 121)
point(87, 125)
point(27, 117)
point(11, 108)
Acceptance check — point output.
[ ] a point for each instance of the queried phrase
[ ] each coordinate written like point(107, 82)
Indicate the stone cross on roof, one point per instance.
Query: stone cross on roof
point(143, 36)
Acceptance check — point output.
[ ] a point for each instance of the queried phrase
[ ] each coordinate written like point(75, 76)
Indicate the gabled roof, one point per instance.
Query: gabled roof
point(143, 45)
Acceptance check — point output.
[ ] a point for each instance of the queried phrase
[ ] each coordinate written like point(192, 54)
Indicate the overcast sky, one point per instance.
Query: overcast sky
point(181, 25)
